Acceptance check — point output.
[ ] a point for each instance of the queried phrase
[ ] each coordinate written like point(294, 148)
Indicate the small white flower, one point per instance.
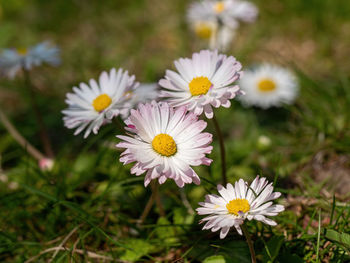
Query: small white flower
point(228, 12)
point(239, 202)
point(267, 86)
point(95, 104)
point(204, 81)
point(13, 60)
point(165, 142)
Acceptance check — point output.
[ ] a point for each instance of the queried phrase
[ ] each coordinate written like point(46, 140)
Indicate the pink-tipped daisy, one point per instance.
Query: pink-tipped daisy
point(239, 202)
point(93, 105)
point(202, 82)
point(165, 142)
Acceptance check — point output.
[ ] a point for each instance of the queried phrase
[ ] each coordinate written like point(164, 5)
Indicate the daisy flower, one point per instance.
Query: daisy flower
point(13, 60)
point(165, 142)
point(227, 12)
point(238, 203)
point(202, 82)
point(267, 86)
point(94, 104)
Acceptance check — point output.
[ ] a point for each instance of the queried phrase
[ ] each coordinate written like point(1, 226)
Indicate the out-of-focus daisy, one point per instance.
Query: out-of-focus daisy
point(217, 21)
point(95, 104)
point(165, 142)
point(238, 203)
point(12, 60)
point(268, 85)
point(205, 81)
point(227, 12)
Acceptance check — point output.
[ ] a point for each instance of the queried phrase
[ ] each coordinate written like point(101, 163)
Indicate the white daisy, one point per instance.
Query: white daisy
point(13, 60)
point(203, 82)
point(267, 86)
point(227, 12)
point(165, 142)
point(239, 202)
point(95, 104)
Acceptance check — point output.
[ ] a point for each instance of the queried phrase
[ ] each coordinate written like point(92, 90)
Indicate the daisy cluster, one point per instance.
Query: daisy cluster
point(165, 122)
point(165, 137)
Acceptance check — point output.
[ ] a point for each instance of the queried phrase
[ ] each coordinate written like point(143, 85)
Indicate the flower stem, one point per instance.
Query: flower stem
point(146, 210)
point(154, 197)
point(42, 129)
point(19, 138)
point(155, 190)
point(250, 242)
point(222, 150)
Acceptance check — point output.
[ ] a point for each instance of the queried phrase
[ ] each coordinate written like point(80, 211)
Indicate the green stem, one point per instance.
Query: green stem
point(222, 150)
point(155, 197)
point(42, 129)
point(250, 243)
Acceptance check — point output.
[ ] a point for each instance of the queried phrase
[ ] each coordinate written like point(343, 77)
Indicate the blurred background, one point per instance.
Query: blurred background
point(308, 146)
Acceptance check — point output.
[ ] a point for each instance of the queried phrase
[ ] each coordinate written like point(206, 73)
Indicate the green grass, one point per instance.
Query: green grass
point(92, 194)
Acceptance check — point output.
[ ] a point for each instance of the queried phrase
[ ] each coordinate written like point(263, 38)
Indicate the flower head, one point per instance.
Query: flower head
point(46, 164)
point(238, 203)
point(204, 81)
point(165, 142)
point(267, 86)
point(95, 104)
point(217, 21)
point(228, 12)
point(12, 60)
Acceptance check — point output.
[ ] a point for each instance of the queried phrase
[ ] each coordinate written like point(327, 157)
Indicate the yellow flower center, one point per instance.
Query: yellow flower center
point(203, 30)
point(101, 102)
point(22, 51)
point(266, 85)
point(238, 205)
point(164, 144)
point(199, 86)
point(219, 7)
